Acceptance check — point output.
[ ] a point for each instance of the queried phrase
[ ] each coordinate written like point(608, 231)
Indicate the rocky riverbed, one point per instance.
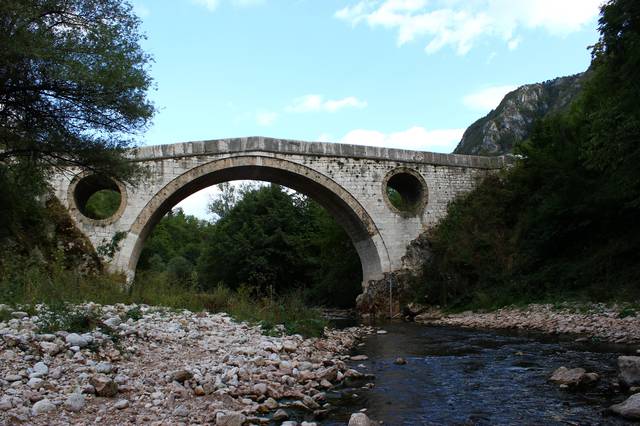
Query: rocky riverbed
point(145, 365)
point(596, 322)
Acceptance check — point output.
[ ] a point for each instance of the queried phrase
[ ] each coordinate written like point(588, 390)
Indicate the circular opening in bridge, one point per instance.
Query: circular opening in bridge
point(98, 197)
point(405, 191)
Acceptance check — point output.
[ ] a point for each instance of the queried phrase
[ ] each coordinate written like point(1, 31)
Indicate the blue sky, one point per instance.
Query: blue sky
point(401, 73)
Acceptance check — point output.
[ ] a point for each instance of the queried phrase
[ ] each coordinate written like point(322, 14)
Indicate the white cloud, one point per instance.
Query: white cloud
point(459, 24)
point(316, 103)
point(266, 118)
point(209, 4)
point(514, 43)
point(196, 204)
point(486, 99)
point(415, 138)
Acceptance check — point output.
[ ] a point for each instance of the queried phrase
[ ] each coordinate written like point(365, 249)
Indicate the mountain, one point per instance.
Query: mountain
point(514, 118)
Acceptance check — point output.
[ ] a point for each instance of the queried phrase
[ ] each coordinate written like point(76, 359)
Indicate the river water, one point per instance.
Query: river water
point(468, 377)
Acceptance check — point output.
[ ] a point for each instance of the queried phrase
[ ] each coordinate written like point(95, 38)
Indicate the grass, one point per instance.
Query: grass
point(27, 282)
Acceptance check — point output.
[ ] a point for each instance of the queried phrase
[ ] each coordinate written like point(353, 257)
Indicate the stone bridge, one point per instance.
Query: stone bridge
point(352, 182)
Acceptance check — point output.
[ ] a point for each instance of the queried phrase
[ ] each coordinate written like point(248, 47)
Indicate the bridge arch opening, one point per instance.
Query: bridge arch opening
point(96, 199)
point(341, 205)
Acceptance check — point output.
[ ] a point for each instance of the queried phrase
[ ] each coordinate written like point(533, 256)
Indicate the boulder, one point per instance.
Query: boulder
point(359, 419)
point(574, 377)
point(630, 408)
point(629, 370)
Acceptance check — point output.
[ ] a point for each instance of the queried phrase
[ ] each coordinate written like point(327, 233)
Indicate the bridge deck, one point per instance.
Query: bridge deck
point(326, 149)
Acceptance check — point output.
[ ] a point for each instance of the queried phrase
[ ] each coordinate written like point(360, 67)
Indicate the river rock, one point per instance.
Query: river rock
point(121, 404)
point(271, 403)
point(359, 419)
point(5, 403)
point(629, 370)
point(359, 358)
point(181, 411)
point(104, 367)
point(181, 375)
point(630, 408)
point(35, 383)
point(289, 346)
point(40, 369)
point(103, 385)
point(280, 415)
point(50, 348)
point(230, 419)
point(260, 388)
point(74, 339)
point(574, 377)
point(43, 406)
point(74, 402)
point(427, 315)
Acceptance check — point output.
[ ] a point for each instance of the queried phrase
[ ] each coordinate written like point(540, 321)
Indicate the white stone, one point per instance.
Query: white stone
point(74, 339)
point(43, 406)
point(74, 402)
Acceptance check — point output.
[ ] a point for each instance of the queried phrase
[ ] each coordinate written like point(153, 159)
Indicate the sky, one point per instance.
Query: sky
point(411, 74)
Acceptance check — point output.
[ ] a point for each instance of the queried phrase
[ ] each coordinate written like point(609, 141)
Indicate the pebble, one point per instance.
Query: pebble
point(104, 367)
point(246, 371)
point(181, 411)
point(121, 404)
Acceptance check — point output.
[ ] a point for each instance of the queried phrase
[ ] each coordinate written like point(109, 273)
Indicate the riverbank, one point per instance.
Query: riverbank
point(595, 321)
point(145, 365)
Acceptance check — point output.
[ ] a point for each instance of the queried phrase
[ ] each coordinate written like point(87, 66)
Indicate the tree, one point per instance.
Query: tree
point(230, 193)
point(73, 84)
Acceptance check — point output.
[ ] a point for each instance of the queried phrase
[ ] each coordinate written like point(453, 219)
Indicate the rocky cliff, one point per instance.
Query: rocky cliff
point(513, 120)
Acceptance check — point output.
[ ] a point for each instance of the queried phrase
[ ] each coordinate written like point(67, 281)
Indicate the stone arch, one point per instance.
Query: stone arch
point(342, 205)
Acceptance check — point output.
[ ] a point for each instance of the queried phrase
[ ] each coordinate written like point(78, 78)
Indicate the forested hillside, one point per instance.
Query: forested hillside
point(563, 222)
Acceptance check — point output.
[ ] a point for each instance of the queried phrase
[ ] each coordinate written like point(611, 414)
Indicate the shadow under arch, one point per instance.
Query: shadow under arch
point(345, 209)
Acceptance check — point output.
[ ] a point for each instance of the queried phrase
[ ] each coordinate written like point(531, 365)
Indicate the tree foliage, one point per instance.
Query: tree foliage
point(563, 221)
point(73, 82)
point(267, 238)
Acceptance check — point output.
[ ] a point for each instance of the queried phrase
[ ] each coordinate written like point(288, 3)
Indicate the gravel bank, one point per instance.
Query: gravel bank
point(592, 322)
point(165, 367)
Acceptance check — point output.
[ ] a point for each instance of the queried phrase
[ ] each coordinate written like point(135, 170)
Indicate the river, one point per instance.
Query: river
point(469, 377)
